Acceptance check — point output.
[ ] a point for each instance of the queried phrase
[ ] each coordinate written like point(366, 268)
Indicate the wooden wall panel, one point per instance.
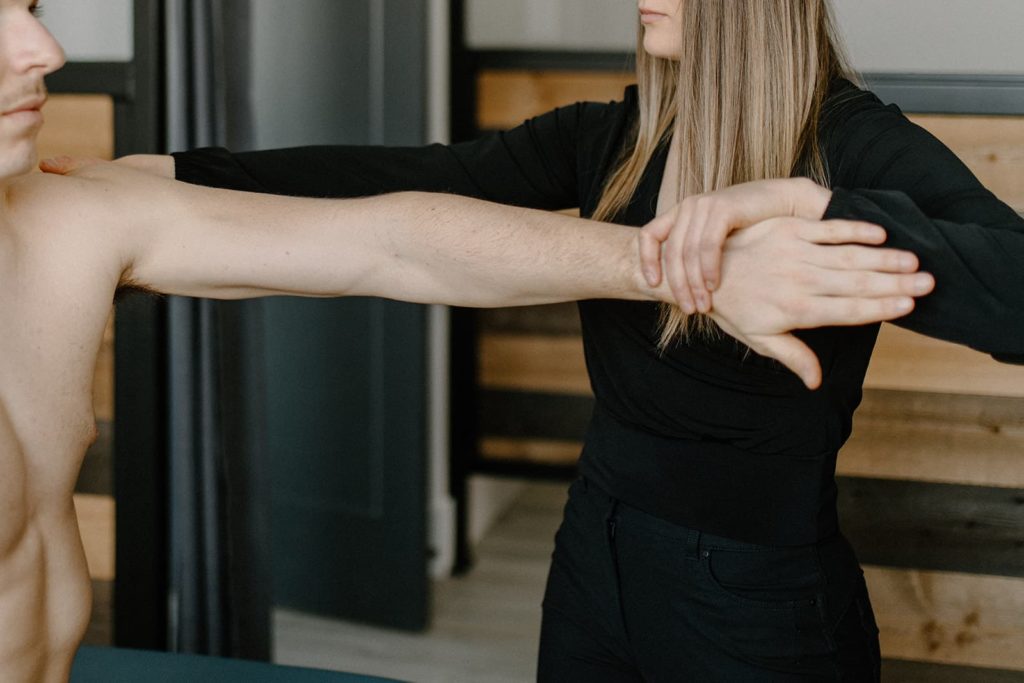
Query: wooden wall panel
point(912, 362)
point(949, 618)
point(96, 524)
point(507, 98)
point(78, 125)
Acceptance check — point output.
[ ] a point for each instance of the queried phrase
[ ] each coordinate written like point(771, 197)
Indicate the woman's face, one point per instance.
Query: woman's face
point(663, 27)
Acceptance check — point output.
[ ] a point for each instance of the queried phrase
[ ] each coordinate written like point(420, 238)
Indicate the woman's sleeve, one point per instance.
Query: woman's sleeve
point(533, 165)
point(897, 175)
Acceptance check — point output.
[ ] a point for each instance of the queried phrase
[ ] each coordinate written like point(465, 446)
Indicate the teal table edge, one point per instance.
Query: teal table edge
point(111, 665)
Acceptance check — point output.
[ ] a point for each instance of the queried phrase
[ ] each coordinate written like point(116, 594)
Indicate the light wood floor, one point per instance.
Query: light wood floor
point(486, 624)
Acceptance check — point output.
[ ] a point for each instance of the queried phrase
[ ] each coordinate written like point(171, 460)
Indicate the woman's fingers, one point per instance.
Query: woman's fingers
point(870, 284)
point(840, 232)
point(701, 218)
point(650, 258)
point(674, 264)
point(652, 236)
point(711, 254)
point(849, 311)
point(852, 257)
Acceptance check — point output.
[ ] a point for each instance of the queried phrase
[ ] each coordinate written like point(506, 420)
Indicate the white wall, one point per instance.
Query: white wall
point(551, 24)
point(934, 36)
point(906, 36)
point(92, 30)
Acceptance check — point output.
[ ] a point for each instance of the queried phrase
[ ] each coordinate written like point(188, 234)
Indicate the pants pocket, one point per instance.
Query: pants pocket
point(767, 603)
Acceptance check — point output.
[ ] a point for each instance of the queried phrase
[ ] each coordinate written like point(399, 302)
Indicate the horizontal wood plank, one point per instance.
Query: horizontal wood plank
point(507, 98)
point(903, 671)
point(537, 363)
point(908, 361)
point(96, 524)
point(943, 452)
point(949, 618)
point(945, 527)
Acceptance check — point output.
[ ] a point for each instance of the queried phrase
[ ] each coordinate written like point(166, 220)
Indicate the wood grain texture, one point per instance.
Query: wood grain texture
point(991, 146)
point(96, 524)
point(78, 125)
point(949, 618)
point(948, 438)
point(912, 362)
point(537, 363)
point(947, 527)
point(507, 98)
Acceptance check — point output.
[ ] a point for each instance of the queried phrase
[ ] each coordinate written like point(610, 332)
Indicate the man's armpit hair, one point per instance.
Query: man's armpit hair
point(129, 286)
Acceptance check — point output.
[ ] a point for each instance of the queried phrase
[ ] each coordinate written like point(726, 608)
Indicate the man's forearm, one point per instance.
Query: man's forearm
point(467, 252)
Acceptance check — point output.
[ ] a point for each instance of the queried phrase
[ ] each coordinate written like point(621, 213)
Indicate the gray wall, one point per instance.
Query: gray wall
point(301, 94)
point(92, 30)
point(919, 36)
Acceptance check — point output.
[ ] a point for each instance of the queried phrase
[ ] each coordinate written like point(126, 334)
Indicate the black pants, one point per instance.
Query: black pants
point(632, 597)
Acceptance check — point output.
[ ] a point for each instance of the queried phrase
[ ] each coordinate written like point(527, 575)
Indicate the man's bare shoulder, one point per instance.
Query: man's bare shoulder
point(54, 220)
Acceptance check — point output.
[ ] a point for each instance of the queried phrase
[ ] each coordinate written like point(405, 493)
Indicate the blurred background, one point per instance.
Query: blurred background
point(370, 486)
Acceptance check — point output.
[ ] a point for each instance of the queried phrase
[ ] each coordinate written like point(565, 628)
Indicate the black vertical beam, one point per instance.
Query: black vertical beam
point(140, 417)
point(463, 332)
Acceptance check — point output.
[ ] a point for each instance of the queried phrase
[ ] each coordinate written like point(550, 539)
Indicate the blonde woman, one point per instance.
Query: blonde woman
point(701, 542)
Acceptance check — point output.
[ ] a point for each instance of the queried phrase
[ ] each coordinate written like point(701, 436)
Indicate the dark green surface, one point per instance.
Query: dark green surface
point(108, 665)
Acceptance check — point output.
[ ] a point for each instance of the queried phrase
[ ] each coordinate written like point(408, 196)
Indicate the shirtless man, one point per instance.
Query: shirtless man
point(67, 244)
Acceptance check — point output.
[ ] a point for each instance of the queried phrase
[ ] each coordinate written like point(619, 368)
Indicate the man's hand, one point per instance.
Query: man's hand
point(788, 273)
point(156, 164)
point(690, 236)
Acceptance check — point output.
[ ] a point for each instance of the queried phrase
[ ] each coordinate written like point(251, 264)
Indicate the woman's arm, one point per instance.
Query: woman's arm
point(899, 176)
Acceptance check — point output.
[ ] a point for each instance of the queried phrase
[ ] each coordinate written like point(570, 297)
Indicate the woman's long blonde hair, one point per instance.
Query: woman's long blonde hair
point(745, 101)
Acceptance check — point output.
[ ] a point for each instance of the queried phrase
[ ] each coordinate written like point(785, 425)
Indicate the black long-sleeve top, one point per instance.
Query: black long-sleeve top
point(706, 434)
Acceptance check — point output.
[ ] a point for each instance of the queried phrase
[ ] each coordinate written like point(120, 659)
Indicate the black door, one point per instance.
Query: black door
point(345, 379)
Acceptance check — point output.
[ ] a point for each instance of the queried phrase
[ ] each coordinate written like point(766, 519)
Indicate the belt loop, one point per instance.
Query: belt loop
point(692, 543)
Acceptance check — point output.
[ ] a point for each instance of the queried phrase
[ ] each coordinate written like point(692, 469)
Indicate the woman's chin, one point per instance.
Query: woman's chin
point(660, 47)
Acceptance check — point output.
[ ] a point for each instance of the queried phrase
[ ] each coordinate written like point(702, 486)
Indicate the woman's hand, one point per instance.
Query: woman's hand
point(156, 164)
point(690, 236)
point(789, 273)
